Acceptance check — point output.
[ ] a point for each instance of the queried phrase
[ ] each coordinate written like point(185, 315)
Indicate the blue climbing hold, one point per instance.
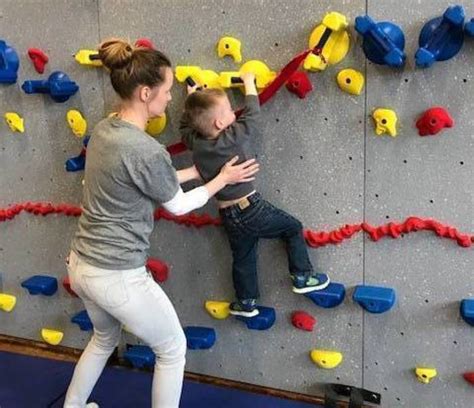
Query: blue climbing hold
point(374, 299)
point(469, 28)
point(9, 64)
point(140, 356)
point(77, 163)
point(467, 311)
point(263, 321)
point(58, 85)
point(83, 320)
point(383, 43)
point(441, 38)
point(331, 296)
point(40, 284)
point(200, 337)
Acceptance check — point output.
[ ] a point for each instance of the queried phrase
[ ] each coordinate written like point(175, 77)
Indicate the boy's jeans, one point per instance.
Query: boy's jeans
point(245, 226)
point(132, 298)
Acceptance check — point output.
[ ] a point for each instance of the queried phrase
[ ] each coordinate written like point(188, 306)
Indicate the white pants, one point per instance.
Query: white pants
point(132, 298)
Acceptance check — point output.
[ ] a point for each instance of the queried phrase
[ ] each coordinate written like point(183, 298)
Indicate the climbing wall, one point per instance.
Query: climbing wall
point(320, 160)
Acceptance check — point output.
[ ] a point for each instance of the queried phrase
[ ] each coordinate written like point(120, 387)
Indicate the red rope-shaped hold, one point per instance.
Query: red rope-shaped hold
point(314, 239)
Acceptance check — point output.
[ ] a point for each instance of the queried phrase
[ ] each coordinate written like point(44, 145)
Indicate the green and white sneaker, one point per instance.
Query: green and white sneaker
point(317, 281)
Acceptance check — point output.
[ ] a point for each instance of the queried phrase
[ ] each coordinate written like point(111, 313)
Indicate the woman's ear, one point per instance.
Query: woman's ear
point(144, 93)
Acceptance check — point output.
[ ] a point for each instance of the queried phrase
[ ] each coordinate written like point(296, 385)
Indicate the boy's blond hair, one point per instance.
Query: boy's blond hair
point(198, 110)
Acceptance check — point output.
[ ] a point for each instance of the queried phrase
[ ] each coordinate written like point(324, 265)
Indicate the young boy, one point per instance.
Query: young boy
point(209, 128)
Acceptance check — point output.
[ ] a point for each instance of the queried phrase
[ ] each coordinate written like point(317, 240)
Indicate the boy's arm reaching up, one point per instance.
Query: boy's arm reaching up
point(251, 112)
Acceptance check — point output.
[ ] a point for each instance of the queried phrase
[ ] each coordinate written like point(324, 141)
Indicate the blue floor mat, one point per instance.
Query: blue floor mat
point(32, 382)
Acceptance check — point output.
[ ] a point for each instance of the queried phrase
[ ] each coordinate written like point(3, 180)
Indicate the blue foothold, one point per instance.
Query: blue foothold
point(140, 356)
point(331, 296)
point(200, 337)
point(40, 284)
point(374, 299)
point(467, 311)
point(83, 320)
point(263, 321)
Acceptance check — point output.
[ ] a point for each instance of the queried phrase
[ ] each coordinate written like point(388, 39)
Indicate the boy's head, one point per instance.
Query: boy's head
point(209, 111)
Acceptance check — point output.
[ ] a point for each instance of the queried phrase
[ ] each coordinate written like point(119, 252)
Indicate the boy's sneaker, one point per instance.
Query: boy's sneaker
point(317, 281)
point(92, 405)
point(245, 308)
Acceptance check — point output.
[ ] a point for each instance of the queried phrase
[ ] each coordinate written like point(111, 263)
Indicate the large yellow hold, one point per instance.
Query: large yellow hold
point(88, 58)
point(332, 38)
point(156, 125)
point(326, 358)
point(218, 310)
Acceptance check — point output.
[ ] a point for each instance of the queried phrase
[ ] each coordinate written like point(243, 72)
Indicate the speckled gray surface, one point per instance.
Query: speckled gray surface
point(320, 160)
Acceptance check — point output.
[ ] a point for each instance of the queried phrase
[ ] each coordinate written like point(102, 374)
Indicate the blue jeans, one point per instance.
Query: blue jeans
point(261, 219)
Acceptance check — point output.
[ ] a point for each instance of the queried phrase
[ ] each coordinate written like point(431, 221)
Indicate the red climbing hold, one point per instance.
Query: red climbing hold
point(39, 59)
point(145, 43)
point(299, 84)
point(469, 377)
point(158, 269)
point(433, 121)
point(302, 320)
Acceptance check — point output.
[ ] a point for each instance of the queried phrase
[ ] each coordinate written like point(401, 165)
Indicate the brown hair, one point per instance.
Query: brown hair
point(198, 109)
point(132, 66)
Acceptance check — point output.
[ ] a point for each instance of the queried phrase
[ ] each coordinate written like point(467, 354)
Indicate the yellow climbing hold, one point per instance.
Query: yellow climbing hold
point(334, 48)
point(76, 122)
point(7, 302)
point(15, 122)
point(385, 121)
point(53, 337)
point(156, 125)
point(263, 75)
point(208, 79)
point(218, 310)
point(425, 374)
point(350, 81)
point(88, 57)
point(229, 46)
point(186, 71)
point(326, 358)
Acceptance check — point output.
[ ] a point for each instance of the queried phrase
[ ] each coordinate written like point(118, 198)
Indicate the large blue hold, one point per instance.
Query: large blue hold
point(383, 42)
point(441, 38)
point(374, 299)
point(83, 320)
point(263, 321)
point(58, 85)
point(40, 284)
point(9, 64)
point(140, 356)
point(200, 338)
point(331, 296)
point(467, 311)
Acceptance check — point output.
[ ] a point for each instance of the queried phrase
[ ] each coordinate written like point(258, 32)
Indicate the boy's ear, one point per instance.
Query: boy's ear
point(218, 124)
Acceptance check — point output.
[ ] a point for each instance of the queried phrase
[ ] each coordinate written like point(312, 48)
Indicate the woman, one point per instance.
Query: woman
point(127, 173)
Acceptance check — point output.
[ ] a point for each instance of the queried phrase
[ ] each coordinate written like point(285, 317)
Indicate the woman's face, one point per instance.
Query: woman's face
point(160, 95)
